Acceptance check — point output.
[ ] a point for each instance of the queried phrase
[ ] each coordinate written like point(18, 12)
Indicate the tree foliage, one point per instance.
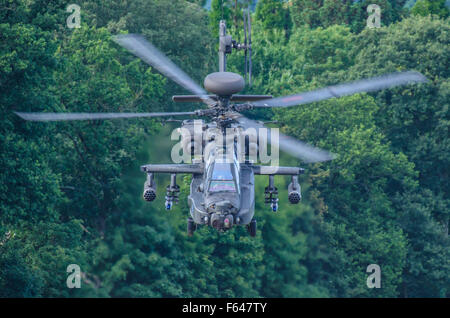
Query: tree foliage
point(427, 7)
point(325, 13)
point(70, 192)
point(273, 14)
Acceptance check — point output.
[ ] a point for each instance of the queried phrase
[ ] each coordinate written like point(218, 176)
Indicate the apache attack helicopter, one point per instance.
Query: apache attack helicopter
point(222, 189)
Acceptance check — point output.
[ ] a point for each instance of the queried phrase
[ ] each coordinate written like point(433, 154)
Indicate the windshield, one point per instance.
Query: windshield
point(221, 171)
point(222, 186)
point(222, 178)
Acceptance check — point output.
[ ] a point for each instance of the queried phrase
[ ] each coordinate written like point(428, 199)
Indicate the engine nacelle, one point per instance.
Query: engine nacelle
point(294, 191)
point(149, 188)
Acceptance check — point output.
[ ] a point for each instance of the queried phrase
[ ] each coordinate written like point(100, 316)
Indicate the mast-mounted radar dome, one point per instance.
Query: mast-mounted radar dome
point(224, 83)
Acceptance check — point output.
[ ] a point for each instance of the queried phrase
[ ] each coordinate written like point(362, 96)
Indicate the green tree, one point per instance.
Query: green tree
point(220, 10)
point(36, 241)
point(353, 193)
point(69, 192)
point(179, 29)
point(427, 7)
point(324, 13)
point(368, 177)
point(273, 14)
point(415, 120)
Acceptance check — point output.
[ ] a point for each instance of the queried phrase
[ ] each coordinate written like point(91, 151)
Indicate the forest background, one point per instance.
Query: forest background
point(71, 193)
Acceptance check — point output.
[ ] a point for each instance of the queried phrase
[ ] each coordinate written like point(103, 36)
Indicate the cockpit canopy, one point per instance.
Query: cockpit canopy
point(222, 186)
point(221, 171)
point(221, 178)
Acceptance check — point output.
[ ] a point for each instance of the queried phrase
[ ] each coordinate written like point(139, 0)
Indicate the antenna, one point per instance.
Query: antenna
point(249, 48)
point(245, 43)
point(227, 44)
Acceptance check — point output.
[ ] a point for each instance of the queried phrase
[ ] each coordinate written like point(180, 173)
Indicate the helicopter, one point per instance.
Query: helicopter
point(223, 169)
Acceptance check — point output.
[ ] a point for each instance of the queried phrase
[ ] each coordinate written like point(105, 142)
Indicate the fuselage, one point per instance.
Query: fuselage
point(223, 195)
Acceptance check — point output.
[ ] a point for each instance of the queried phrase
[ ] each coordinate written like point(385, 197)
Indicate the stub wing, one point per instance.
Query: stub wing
point(173, 168)
point(277, 170)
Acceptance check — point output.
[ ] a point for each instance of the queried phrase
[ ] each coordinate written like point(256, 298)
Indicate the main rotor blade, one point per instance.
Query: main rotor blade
point(249, 20)
point(92, 116)
point(245, 44)
point(291, 145)
point(361, 86)
point(143, 49)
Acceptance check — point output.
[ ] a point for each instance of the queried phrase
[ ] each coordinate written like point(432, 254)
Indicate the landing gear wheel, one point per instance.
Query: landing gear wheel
point(251, 228)
point(191, 226)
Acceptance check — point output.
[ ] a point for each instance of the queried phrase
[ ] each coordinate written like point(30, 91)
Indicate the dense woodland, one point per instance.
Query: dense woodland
point(71, 192)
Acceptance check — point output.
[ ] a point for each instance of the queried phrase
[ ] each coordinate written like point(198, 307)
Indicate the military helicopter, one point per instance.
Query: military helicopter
point(222, 191)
